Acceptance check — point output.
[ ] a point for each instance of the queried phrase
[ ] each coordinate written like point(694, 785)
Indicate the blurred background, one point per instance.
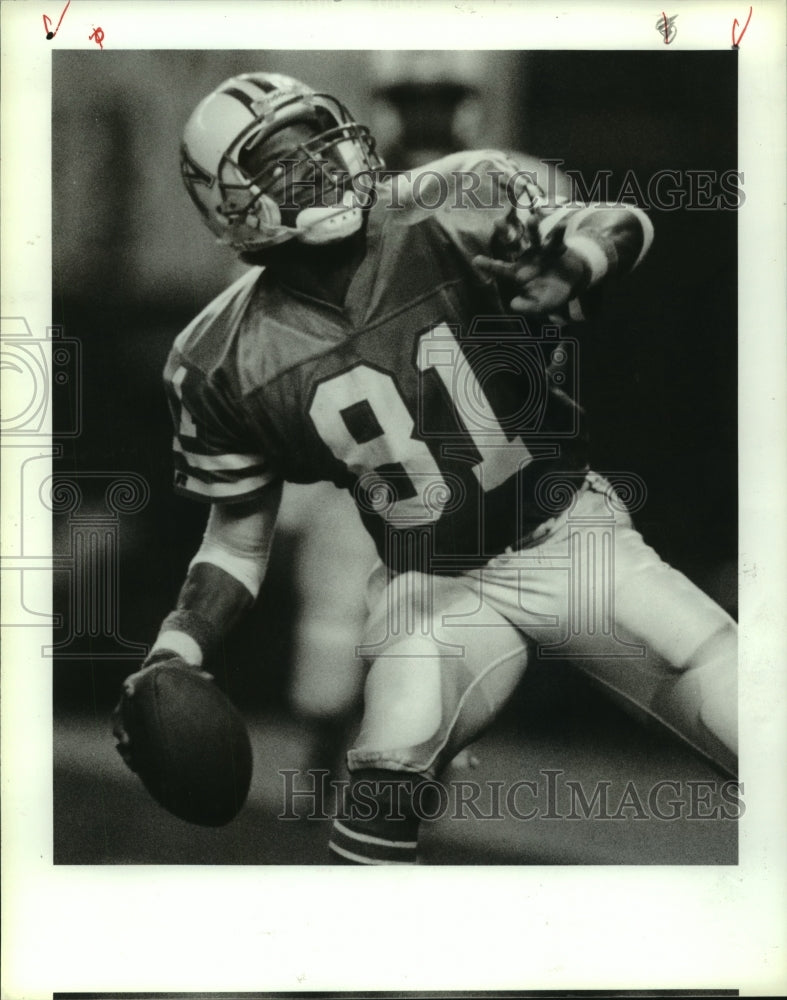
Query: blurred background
point(132, 265)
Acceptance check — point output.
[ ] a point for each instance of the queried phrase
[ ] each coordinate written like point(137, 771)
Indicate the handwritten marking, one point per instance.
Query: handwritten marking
point(48, 23)
point(98, 34)
point(666, 27)
point(736, 23)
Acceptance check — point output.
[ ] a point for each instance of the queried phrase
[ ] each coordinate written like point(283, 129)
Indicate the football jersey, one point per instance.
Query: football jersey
point(441, 412)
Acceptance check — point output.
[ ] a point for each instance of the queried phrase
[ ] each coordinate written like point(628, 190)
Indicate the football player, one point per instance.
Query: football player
point(401, 338)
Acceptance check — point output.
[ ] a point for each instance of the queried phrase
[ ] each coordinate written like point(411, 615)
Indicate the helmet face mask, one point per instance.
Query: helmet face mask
point(300, 166)
point(266, 160)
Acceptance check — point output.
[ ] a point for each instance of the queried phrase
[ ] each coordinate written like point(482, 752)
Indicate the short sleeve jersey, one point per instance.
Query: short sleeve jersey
point(441, 412)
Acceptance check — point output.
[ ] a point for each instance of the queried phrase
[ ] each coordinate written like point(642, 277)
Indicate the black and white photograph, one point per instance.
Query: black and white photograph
point(452, 390)
point(382, 478)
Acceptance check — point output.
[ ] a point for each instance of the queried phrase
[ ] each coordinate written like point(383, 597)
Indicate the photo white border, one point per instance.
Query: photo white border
point(272, 928)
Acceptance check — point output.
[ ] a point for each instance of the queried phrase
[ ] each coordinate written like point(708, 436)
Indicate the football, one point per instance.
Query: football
point(191, 747)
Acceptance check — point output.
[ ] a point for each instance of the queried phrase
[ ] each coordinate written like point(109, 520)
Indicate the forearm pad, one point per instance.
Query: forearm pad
point(210, 604)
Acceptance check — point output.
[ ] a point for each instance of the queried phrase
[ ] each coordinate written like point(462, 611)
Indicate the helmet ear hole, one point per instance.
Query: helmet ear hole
point(247, 230)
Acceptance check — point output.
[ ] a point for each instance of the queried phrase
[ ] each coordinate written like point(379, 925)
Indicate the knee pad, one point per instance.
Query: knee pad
point(422, 708)
point(701, 703)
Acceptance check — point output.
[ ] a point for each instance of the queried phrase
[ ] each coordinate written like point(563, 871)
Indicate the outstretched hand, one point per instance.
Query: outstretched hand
point(542, 285)
point(541, 277)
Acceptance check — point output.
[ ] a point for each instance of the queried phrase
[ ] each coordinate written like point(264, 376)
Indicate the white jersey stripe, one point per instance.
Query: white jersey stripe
point(217, 463)
point(220, 491)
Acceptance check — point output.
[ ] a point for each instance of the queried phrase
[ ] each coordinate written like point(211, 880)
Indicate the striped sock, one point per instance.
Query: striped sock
point(389, 836)
point(351, 847)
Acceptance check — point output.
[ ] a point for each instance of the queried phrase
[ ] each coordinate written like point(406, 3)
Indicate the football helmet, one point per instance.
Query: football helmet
point(255, 191)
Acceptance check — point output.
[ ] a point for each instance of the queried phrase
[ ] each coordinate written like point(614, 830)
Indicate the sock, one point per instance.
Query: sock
point(377, 824)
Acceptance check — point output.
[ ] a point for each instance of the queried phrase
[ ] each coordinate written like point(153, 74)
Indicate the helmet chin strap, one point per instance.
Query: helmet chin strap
point(329, 225)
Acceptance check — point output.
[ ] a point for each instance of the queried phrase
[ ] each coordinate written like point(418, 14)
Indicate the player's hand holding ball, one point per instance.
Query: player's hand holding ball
point(123, 710)
point(185, 740)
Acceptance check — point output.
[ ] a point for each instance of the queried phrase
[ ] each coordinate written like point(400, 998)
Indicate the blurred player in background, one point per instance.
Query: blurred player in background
point(400, 338)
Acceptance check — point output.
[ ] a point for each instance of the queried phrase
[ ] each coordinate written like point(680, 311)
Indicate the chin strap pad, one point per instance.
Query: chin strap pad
point(328, 225)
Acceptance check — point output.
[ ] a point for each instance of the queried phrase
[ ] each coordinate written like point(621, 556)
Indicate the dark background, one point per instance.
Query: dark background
point(132, 265)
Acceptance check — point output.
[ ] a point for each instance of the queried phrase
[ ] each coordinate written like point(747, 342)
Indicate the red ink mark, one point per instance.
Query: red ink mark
point(666, 27)
point(48, 23)
point(736, 23)
point(98, 34)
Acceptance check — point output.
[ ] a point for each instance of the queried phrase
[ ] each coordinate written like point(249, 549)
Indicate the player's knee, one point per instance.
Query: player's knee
point(704, 698)
point(720, 647)
point(421, 708)
point(718, 662)
point(402, 695)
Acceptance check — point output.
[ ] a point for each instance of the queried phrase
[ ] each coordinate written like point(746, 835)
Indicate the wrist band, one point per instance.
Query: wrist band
point(193, 624)
point(175, 644)
point(187, 634)
point(159, 653)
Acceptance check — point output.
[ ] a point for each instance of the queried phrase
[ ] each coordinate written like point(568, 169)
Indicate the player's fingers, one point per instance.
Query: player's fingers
point(118, 731)
point(526, 306)
point(504, 227)
point(117, 723)
point(531, 224)
point(488, 267)
point(129, 684)
point(537, 297)
point(527, 272)
point(123, 741)
point(537, 301)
